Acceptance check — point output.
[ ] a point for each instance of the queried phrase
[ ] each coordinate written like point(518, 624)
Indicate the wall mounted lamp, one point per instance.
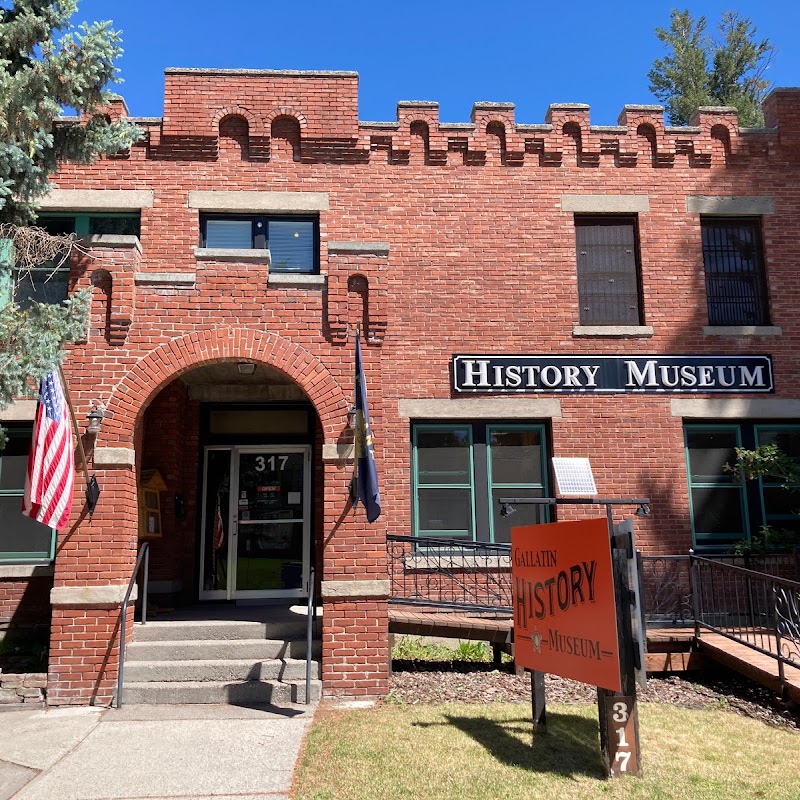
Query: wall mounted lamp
point(246, 368)
point(643, 510)
point(506, 510)
point(352, 417)
point(95, 417)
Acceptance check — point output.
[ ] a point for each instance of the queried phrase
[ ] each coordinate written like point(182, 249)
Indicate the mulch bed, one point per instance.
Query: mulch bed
point(417, 682)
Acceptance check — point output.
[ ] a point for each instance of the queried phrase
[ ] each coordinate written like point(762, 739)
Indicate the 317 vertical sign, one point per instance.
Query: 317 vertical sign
point(623, 736)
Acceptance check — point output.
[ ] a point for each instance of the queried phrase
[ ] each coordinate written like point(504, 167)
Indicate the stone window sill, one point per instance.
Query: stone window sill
point(180, 279)
point(742, 330)
point(23, 571)
point(642, 331)
point(232, 254)
point(297, 280)
point(111, 240)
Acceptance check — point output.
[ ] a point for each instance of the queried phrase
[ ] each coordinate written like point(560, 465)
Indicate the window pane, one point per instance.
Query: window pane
point(718, 511)
point(709, 452)
point(523, 514)
point(12, 470)
point(443, 457)
point(20, 534)
point(291, 245)
point(41, 285)
point(735, 285)
point(445, 510)
point(608, 279)
point(516, 456)
point(787, 439)
point(56, 225)
point(121, 226)
point(778, 500)
point(229, 233)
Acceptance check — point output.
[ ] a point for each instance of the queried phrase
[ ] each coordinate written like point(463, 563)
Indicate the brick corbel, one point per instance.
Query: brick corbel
point(347, 260)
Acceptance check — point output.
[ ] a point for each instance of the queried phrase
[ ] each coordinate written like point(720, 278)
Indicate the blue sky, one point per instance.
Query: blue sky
point(456, 52)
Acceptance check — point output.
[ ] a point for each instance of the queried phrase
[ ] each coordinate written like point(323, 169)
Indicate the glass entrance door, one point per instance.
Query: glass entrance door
point(256, 526)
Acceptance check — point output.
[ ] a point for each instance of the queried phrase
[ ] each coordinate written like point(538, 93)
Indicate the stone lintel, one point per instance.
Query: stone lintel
point(251, 202)
point(718, 204)
point(736, 408)
point(19, 411)
point(476, 407)
point(83, 200)
point(364, 588)
point(605, 203)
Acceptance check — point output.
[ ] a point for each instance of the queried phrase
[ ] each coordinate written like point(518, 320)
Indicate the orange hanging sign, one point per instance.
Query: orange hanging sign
point(565, 620)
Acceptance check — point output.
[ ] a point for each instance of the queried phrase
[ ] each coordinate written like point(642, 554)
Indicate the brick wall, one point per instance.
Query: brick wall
point(481, 259)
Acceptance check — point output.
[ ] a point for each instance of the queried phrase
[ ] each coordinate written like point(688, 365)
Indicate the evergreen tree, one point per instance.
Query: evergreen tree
point(47, 67)
point(703, 70)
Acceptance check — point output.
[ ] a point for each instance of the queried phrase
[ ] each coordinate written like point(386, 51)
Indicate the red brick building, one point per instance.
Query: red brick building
point(626, 293)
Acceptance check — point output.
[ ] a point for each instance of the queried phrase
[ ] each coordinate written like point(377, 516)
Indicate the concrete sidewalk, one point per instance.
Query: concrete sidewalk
point(155, 752)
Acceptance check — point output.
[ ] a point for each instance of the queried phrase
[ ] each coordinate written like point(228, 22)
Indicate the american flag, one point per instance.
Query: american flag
point(51, 468)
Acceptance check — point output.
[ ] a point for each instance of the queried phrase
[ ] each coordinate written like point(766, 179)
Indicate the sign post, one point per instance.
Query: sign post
point(619, 711)
point(572, 617)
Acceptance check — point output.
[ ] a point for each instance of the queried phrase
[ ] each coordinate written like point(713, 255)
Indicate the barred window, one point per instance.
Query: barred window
point(609, 290)
point(734, 267)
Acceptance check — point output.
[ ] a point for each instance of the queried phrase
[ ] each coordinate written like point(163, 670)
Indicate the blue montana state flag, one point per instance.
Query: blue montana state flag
point(366, 484)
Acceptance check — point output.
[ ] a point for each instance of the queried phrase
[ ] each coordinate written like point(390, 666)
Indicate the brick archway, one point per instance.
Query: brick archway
point(167, 362)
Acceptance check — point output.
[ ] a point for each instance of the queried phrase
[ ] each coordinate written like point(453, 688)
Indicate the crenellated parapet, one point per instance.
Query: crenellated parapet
point(312, 117)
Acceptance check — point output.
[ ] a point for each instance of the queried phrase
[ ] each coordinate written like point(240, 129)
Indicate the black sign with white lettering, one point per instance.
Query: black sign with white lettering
point(613, 374)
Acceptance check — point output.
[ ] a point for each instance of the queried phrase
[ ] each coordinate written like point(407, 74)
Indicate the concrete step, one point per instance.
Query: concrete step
point(201, 670)
point(194, 630)
point(219, 649)
point(219, 692)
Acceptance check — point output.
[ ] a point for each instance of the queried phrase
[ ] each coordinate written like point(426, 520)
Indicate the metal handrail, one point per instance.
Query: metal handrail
point(760, 608)
point(311, 613)
point(144, 555)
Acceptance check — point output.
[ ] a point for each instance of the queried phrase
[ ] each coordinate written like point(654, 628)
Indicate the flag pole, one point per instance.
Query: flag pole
point(74, 424)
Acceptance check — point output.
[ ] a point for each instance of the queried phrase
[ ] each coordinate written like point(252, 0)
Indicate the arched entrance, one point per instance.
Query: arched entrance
point(233, 447)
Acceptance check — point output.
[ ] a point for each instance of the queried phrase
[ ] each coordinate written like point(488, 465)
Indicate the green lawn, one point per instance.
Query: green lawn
point(468, 752)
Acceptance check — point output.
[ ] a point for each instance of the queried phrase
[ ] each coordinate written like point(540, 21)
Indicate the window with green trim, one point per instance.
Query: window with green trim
point(22, 540)
point(48, 282)
point(780, 503)
point(460, 470)
point(723, 510)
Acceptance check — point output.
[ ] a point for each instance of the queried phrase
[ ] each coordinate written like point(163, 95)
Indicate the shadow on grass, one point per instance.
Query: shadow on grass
point(570, 747)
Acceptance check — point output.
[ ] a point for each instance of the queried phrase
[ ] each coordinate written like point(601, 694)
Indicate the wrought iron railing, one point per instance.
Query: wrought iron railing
point(476, 576)
point(755, 609)
point(447, 573)
point(666, 589)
